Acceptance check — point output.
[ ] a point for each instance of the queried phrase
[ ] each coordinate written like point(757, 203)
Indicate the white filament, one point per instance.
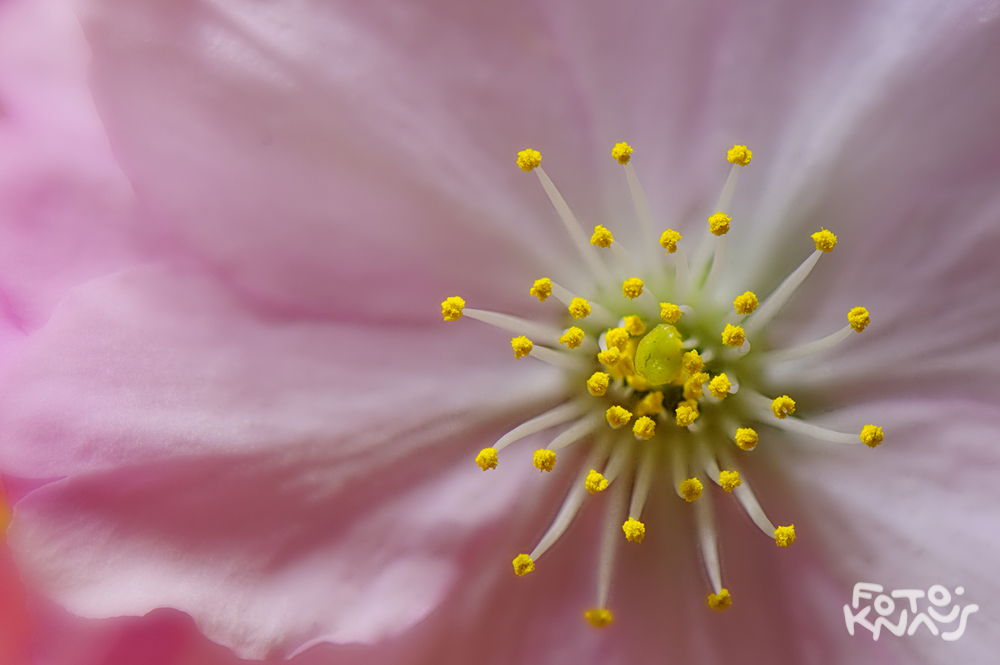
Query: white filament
point(551, 418)
point(809, 349)
point(774, 302)
point(790, 424)
point(576, 431)
point(642, 212)
point(565, 296)
point(610, 536)
point(570, 506)
point(557, 358)
point(643, 481)
point(515, 324)
point(705, 525)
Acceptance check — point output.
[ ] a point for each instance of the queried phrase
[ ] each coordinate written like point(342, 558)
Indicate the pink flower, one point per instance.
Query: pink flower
point(247, 410)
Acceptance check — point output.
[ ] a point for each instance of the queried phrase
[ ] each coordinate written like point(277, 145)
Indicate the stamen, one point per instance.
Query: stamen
point(871, 435)
point(774, 302)
point(644, 428)
point(557, 416)
point(733, 335)
point(541, 289)
point(522, 346)
point(785, 406)
point(601, 237)
point(598, 617)
point(597, 384)
point(719, 386)
point(566, 297)
point(669, 240)
point(669, 312)
point(570, 507)
point(523, 565)
point(632, 288)
point(750, 504)
point(746, 438)
point(487, 459)
point(451, 308)
point(618, 417)
point(544, 460)
point(634, 326)
point(572, 338)
point(576, 431)
point(746, 303)
point(573, 227)
point(858, 320)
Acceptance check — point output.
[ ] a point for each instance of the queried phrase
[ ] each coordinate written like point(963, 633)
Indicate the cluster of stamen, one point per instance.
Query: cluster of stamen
point(667, 377)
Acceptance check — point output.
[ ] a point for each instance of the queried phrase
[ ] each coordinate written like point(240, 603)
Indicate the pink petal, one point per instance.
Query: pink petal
point(284, 483)
point(64, 204)
point(319, 155)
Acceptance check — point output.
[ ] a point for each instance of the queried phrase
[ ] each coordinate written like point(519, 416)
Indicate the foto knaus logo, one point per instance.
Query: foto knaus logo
point(936, 597)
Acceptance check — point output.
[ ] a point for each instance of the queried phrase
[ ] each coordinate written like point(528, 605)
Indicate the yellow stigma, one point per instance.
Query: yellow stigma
point(691, 489)
point(545, 460)
point(746, 438)
point(622, 152)
point(650, 405)
point(825, 241)
point(597, 384)
point(739, 154)
point(858, 318)
point(522, 346)
point(572, 338)
point(658, 355)
point(487, 458)
point(618, 416)
point(669, 312)
point(598, 618)
point(733, 335)
point(542, 289)
point(729, 480)
point(687, 412)
point(595, 482)
point(609, 357)
point(644, 428)
point(529, 159)
point(692, 362)
point(746, 303)
point(452, 308)
point(634, 530)
point(523, 565)
point(782, 407)
point(692, 387)
point(617, 338)
point(718, 223)
point(719, 386)
point(871, 435)
point(634, 325)
point(669, 240)
point(602, 237)
point(579, 308)
point(721, 600)
point(632, 287)
point(784, 535)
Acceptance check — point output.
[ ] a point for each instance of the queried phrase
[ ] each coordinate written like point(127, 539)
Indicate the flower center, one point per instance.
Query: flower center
point(668, 376)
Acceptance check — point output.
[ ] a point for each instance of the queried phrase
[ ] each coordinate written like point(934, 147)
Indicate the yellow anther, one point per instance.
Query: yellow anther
point(579, 308)
point(784, 535)
point(622, 152)
point(634, 325)
point(650, 405)
point(692, 362)
point(871, 435)
point(545, 460)
point(739, 154)
point(721, 600)
point(598, 618)
point(602, 237)
point(637, 383)
point(746, 303)
point(669, 240)
point(572, 338)
point(597, 384)
point(733, 335)
point(522, 346)
point(487, 458)
point(618, 416)
point(523, 565)
point(542, 289)
point(669, 312)
point(825, 240)
point(617, 338)
point(595, 482)
point(719, 386)
point(783, 406)
point(644, 428)
point(718, 223)
point(632, 288)
point(687, 412)
point(609, 357)
point(858, 318)
point(691, 489)
point(692, 387)
point(529, 159)
point(746, 438)
point(729, 480)
point(634, 530)
point(452, 308)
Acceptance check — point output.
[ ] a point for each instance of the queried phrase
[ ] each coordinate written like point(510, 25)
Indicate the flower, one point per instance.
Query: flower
point(263, 427)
